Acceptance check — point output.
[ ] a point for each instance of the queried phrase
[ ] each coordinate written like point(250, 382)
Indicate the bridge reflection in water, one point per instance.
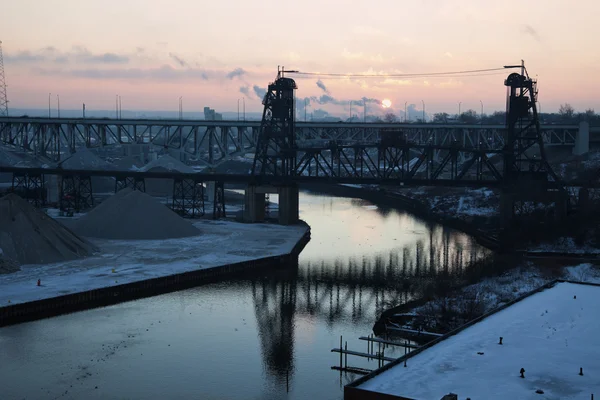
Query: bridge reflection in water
point(352, 289)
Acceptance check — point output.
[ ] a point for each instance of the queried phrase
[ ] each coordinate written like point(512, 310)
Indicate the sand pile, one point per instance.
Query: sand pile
point(133, 215)
point(83, 158)
point(8, 266)
point(28, 236)
point(167, 163)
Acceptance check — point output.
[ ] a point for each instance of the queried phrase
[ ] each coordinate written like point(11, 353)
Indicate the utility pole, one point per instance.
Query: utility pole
point(305, 105)
point(3, 96)
point(481, 117)
point(120, 108)
point(364, 109)
point(238, 109)
point(350, 110)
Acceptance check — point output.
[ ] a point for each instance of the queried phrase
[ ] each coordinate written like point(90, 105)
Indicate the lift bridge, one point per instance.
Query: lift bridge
point(516, 162)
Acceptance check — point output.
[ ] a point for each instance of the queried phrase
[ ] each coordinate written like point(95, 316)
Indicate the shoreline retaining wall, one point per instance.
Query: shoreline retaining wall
point(38, 309)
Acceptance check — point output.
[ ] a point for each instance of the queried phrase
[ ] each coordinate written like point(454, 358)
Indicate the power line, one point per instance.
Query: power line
point(413, 75)
point(389, 76)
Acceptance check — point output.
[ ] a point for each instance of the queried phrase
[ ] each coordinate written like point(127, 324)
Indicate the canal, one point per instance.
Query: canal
point(263, 336)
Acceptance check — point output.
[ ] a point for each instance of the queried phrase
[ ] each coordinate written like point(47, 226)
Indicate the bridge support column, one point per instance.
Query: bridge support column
point(210, 190)
point(582, 139)
point(288, 205)
point(254, 204)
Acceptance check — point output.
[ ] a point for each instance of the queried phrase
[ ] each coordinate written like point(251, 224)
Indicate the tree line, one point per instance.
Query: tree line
point(566, 115)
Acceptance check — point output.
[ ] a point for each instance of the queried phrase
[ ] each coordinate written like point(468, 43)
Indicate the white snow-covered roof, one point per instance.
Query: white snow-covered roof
point(551, 334)
point(168, 163)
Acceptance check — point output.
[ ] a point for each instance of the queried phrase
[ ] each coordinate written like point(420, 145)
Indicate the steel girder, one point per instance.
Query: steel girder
point(188, 198)
point(76, 193)
point(57, 138)
point(30, 186)
point(214, 141)
point(404, 162)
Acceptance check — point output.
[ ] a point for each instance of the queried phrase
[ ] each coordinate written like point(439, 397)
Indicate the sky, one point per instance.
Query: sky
point(214, 53)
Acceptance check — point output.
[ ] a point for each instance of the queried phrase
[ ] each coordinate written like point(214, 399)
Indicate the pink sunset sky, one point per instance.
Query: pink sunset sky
point(214, 53)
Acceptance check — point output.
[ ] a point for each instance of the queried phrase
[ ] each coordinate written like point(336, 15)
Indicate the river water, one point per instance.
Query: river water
point(264, 336)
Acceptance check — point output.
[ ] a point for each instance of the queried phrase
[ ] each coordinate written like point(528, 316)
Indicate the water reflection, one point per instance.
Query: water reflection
point(344, 287)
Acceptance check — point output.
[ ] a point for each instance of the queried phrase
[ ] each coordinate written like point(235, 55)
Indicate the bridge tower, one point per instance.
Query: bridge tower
point(528, 177)
point(275, 148)
point(3, 97)
point(275, 155)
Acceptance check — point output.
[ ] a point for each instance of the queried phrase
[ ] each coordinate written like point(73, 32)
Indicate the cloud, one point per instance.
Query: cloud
point(327, 99)
point(163, 73)
point(245, 90)
point(236, 73)
point(529, 30)
point(178, 60)
point(321, 85)
point(24, 57)
point(319, 113)
point(77, 54)
point(107, 58)
point(260, 92)
point(448, 54)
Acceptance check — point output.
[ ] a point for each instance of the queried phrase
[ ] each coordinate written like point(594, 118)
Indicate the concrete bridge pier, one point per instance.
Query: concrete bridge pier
point(254, 204)
point(289, 213)
point(582, 139)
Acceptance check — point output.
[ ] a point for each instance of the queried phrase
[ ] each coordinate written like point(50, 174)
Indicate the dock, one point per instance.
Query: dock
point(389, 342)
point(414, 332)
point(365, 355)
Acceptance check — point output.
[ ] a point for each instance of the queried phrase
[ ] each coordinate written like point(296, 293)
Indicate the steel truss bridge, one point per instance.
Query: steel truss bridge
point(213, 141)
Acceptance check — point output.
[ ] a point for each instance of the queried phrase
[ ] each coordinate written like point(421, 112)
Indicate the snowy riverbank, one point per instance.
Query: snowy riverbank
point(444, 313)
point(125, 261)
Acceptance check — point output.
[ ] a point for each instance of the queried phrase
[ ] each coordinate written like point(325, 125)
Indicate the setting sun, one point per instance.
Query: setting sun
point(386, 103)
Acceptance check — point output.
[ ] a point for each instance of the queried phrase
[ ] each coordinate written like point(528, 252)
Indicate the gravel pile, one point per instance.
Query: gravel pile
point(133, 215)
point(167, 163)
point(83, 158)
point(8, 266)
point(29, 236)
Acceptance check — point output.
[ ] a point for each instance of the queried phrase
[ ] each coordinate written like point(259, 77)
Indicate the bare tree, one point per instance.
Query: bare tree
point(566, 111)
point(440, 118)
point(469, 117)
point(390, 117)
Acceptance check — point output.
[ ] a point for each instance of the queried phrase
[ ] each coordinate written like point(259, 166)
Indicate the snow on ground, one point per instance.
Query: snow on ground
point(583, 273)
point(550, 334)
point(220, 243)
point(492, 292)
point(564, 245)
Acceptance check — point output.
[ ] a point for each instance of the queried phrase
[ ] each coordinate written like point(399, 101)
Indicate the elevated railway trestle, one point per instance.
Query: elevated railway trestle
point(283, 159)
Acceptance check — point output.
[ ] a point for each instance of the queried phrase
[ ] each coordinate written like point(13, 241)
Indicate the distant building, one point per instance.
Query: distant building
point(211, 115)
